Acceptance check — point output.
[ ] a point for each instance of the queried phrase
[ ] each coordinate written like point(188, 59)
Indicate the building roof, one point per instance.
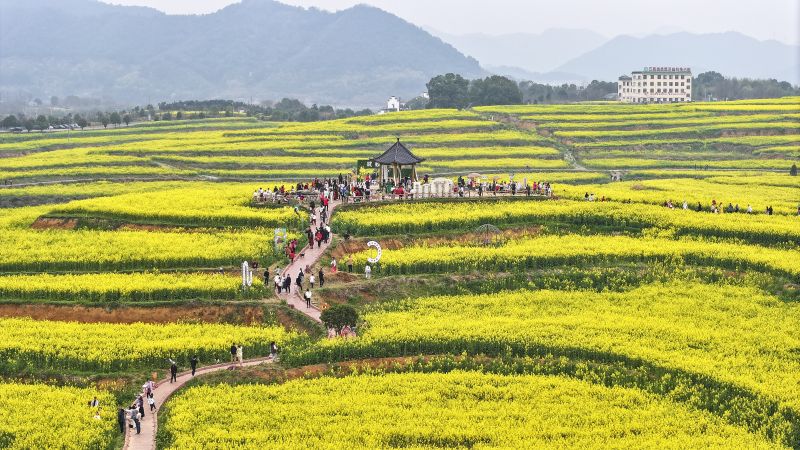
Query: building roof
point(624, 77)
point(398, 154)
point(665, 70)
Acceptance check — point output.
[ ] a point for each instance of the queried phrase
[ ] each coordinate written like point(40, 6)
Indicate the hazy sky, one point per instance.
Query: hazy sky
point(763, 19)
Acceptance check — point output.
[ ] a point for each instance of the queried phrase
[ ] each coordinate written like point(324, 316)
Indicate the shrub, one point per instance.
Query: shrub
point(337, 316)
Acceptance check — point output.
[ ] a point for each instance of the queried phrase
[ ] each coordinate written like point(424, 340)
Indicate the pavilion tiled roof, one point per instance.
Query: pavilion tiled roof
point(398, 154)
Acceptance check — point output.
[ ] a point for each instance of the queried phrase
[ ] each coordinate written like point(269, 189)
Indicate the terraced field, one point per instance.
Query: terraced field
point(605, 315)
point(700, 136)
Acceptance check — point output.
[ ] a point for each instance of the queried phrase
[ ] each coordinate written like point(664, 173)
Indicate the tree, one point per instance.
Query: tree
point(83, 123)
point(10, 122)
point(793, 170)
point(115, 118)
point(179, 115)
point(337, 316)
point(54, 101)
point(494, 90)
point(103, 119)
point(448, 91)
point(166, 116)
point(29, 124)
point(418, 102)
point(127, 119)
point(41, 122)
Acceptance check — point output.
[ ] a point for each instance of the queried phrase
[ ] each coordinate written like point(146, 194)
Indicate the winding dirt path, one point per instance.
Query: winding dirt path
point(146, 440)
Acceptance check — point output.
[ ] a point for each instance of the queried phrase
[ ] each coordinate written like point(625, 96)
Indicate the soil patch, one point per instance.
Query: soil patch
point(71, 223)
point(48, 223)
point(358, 245)
point(352, 246)
point(131, 314)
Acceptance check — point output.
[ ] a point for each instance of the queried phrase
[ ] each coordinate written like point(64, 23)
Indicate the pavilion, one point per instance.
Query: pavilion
point(395, 158)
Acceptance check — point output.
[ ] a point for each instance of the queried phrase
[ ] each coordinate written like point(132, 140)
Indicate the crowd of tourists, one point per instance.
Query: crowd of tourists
point(718, 208)
point(349, 188)
point(473, 185)
point(132, 416)
point(714, 207)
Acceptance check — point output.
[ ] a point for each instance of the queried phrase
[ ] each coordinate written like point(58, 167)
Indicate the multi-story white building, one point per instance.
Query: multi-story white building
point(656, 85)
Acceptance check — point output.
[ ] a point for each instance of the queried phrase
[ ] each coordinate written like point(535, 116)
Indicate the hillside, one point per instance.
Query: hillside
point(533, 52)
point(731, 53)
point(259, 48)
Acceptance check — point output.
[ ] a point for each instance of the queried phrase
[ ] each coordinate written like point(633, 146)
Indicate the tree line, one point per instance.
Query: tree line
point(714, 86)
point(454, 91)
point(285, 110)
point(445, 91)
point(44, 122)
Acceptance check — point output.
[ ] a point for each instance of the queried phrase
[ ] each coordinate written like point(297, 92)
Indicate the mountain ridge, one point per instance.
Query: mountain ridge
point(257, 48)
point(731, 53)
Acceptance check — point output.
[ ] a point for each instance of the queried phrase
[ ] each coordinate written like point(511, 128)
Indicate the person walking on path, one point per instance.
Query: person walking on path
point(321, 277)
point(273, 350)
point(299, 281)
point(140, 405)
point(311, 280)
point(318, 237)
point(121, 420)
point(287, 284)
point(193, 363)
point(149, 386)
point(350, 263)
point(310, 237)
point(278, 282)
point(307, 296)
point(173, 371)
point(233, 352)
point(334, 268)
point(152, 402)
point(367, 272)
point(239, 355)
point(134, 415)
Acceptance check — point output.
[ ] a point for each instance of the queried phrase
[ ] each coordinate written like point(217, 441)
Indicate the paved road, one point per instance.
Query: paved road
point(308, 257)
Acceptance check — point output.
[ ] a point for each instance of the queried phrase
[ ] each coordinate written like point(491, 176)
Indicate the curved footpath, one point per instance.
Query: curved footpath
point(306, 258)
point(146, 440)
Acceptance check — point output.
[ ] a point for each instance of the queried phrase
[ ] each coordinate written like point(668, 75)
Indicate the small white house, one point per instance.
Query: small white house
point(393, 104)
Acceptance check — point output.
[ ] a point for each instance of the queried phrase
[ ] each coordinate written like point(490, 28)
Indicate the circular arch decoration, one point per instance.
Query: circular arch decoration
point(377, 247)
